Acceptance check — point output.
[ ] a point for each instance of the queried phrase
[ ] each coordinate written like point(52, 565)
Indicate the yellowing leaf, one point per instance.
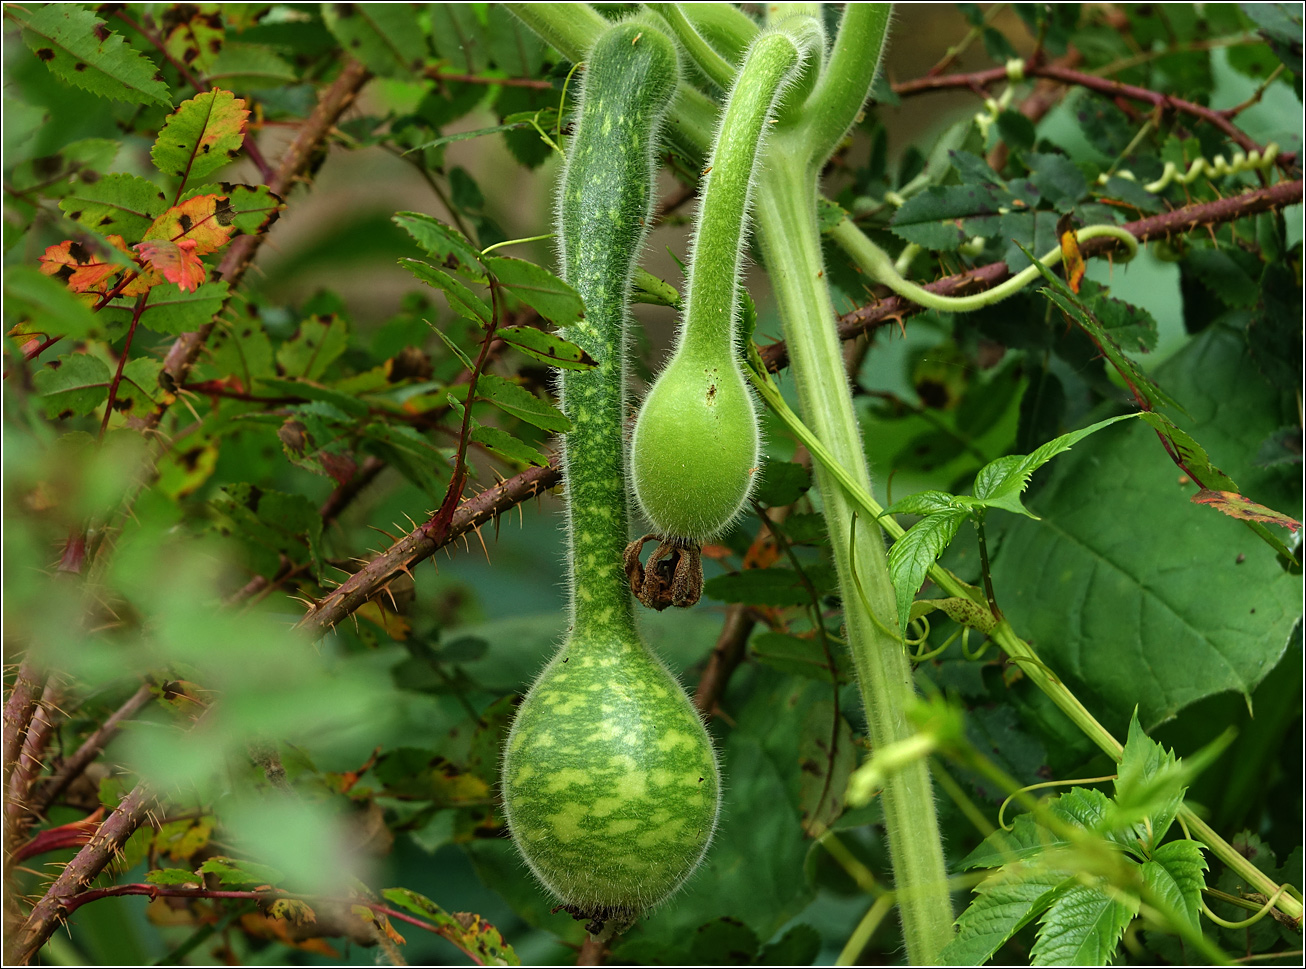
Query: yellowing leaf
point(201, 136)
point(80, 267)
point(1071, 257)
point(1236, 506)
point(205, 220)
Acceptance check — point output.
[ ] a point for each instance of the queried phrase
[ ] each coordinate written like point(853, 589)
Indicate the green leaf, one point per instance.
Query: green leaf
point(783, 483)
point(538, 288)
point(999, 483)
point(1183, 865)
point(759, 587)
point(170, 310)
point(319, 340)
point(448, 246)
point(913, 554)
point(73, 386)
point(924, 503)
point(1057, 178)
point(461, 299)
point(475, 936)
point(459, 36)
point(117, 204)
point(1156, 607)
point(173, 876)
point(54, 309)
point(521, 403)
point(827, 757)
point(546, 347)
point(384, 36)
point(798, 947)
point(932, 218)
point(1148, 786)
point(722, 942)
point(794, 654)
point(201, 136)
point(1082, 927)
point(1026, 839)
point(233, 872)
point(250, 67)
point(409, 453)
point(505, 445)
point(275, 521)
point(311, 391)
point(77, 47)
point(1004, 903)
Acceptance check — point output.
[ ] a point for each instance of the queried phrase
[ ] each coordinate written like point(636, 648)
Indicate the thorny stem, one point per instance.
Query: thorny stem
point(894, 308)
point(122, 362)
point(77, 876)
point(439, 525)
point(979, 80)
point(91, 748)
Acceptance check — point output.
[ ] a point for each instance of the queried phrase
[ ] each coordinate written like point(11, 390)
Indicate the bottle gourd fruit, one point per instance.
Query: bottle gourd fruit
point(695, 450)
point(610, 782)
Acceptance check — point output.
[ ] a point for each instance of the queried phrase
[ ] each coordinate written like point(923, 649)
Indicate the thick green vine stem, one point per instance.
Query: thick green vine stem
point(694, 453)
point(610, 782)
point(791, 249)
point(877, 264)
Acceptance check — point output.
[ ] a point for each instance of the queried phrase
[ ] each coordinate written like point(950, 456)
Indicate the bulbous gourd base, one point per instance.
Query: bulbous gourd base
point(610, 782)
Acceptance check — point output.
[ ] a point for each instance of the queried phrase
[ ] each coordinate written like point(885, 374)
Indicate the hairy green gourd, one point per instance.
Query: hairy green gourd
point(696, 446)
point(610, 783)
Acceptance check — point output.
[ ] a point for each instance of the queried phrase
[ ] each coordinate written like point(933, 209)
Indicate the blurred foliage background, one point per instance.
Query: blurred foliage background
point(159, 548)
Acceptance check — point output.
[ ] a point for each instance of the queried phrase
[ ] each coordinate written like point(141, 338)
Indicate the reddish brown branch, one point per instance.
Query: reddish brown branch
point(19, 709)
point(420, 544)
point(1185, 219)
point(981, 80)
point(49, 913)
point(72, 768)
point(435, 74)
point(726, 656)
point(17, 815)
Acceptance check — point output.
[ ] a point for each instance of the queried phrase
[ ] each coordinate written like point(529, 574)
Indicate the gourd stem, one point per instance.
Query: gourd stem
point(709, 327)
point(875, 262)
point(791, 248)
point(599, 244)
point(790, 243)
point(843, 85)
point(718, 70)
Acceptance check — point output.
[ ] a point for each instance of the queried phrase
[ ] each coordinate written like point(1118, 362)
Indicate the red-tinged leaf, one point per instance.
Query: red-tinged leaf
point(201, 136)
point(175, 261)
point(78, 266)
point(1236, 506)
point(206, 220)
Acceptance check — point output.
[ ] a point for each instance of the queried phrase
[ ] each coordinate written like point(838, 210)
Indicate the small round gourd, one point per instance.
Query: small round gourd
point(609, 780)
point(695, 449)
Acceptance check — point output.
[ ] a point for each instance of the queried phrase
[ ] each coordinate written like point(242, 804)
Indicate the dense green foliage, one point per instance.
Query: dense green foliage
point(246, 720)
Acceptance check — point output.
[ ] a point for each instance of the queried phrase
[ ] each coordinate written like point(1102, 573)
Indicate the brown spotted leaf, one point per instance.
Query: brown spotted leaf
point(76, 45)
point(192, 36)
point(82, 268)
point(205, 220)
point(201, 136)
point(1244, 509)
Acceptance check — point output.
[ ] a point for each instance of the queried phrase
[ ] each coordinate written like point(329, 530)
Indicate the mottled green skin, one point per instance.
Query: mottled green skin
point(610, 780)
point(694, 454)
